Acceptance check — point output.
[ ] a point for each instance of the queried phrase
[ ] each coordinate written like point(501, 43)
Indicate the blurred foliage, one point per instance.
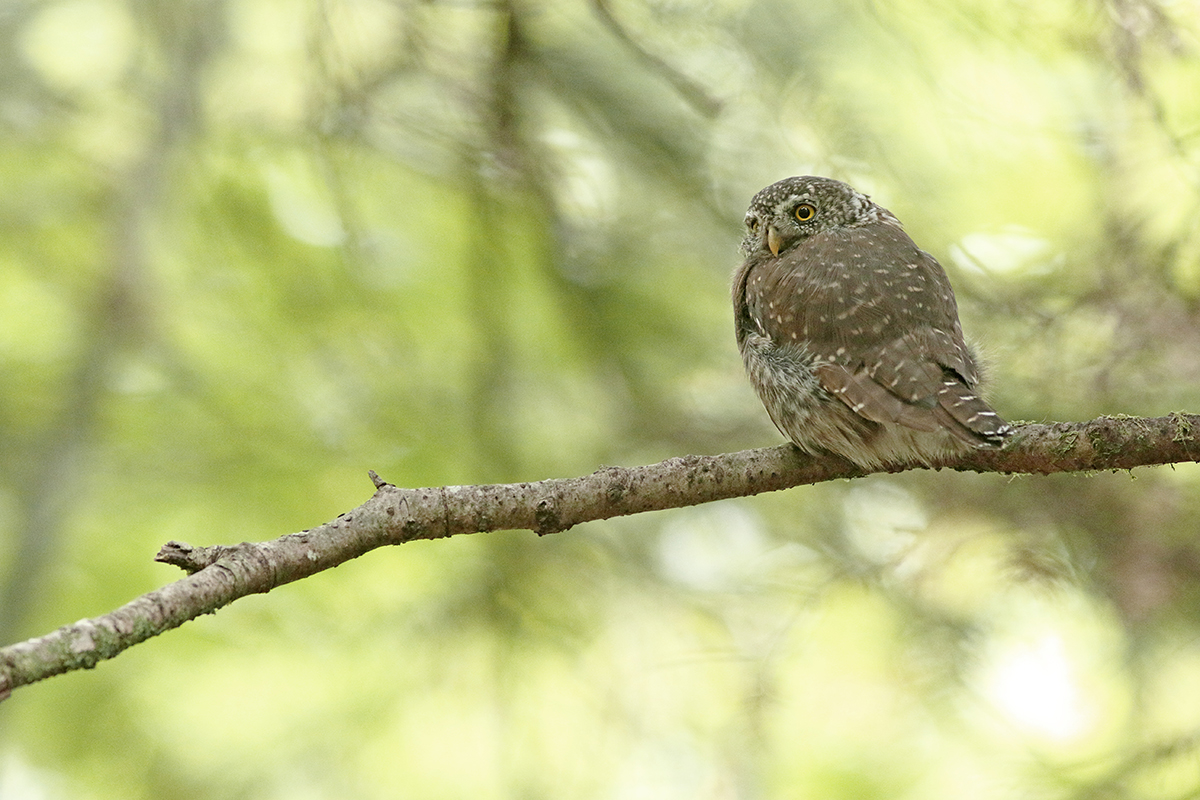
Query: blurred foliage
point(253, 248)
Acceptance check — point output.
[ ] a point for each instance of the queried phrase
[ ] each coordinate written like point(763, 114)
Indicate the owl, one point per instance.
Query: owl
point(850, 333)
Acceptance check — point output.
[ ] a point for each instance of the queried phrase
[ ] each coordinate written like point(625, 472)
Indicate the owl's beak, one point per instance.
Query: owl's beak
point(774, 240)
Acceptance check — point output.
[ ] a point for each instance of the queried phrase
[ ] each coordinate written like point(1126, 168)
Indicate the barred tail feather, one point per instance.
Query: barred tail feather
point(968, 416)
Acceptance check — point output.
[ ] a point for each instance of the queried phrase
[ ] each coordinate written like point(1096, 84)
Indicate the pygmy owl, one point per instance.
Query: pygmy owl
point(850, 333)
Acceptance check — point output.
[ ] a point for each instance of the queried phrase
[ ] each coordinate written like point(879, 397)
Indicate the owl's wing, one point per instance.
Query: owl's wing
point(871, 401)
point(954, 406)
point(880, 314)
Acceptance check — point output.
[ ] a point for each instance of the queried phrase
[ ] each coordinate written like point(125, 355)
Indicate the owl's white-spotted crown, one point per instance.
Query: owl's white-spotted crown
point(837, 204)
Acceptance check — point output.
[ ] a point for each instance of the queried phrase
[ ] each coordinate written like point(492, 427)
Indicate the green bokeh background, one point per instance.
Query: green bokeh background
point(250, 249)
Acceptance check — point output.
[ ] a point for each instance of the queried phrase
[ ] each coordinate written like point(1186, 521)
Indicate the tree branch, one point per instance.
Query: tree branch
point(218, 575)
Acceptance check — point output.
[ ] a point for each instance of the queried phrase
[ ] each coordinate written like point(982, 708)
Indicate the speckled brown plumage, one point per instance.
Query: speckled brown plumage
point(850, 333)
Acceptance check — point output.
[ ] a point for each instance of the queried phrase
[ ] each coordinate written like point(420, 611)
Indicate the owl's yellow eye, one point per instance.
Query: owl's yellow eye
point(805, 211)
point(753, 224)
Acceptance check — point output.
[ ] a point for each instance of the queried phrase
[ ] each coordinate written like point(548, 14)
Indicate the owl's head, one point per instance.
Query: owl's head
point(787, 212)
